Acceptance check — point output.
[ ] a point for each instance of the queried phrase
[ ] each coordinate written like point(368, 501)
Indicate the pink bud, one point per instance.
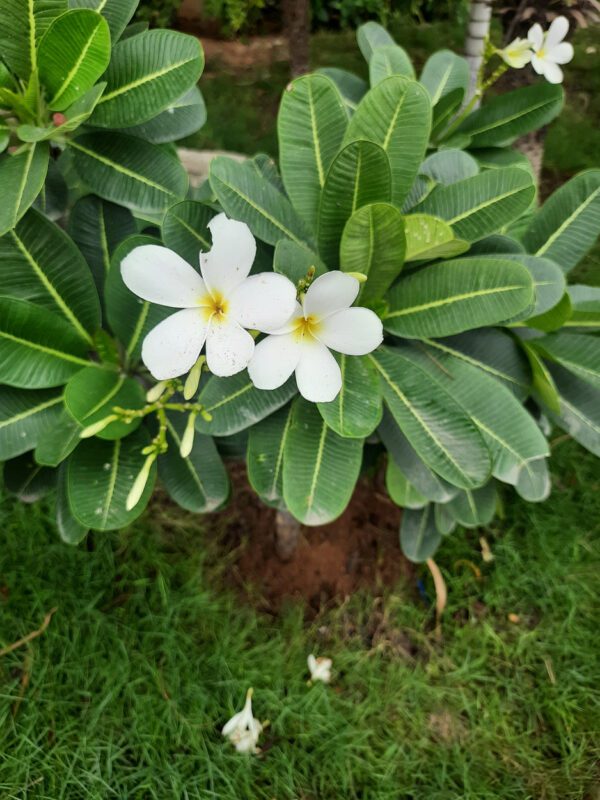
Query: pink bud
point(58, 119)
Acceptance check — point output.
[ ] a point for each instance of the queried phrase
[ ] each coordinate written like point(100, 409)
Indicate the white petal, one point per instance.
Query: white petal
point(274, 360)
point(263, 302)
point(536, 35)
point(173, 347)
point(161, 276)
point(317, 374)
point(229, 347)
point(232, 724)
point(552, 72)
point(562, 53)
point(292, 322)
point(556, 33)
point(231, 257)
point(353, 331)
point(329, 293)
point(538, 64)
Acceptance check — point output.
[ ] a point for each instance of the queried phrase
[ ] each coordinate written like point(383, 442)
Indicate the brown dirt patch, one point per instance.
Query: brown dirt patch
point(360, 550)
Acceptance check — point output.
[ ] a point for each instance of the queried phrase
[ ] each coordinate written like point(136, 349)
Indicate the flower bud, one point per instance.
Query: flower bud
point(193, 379)
point(187, 441)
point(359, 276)
point(139, 484)
point(96, 427)
point(156, 391)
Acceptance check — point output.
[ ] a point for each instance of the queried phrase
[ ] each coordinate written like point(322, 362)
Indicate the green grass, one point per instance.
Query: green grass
point(147, 656)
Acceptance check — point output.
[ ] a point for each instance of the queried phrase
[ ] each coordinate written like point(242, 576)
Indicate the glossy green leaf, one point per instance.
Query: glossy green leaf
point(141, 176)
point(24, 22)
point(496, 244)
point(311, 124)
point(92, 394)
point(585, 307)
point(28, 481)
point(264, 459)
point(388, 60)
point(444, 521)
point(419, 536)
point(505, 117)
point(396, 115)
point(100, 475)
point(184, 230)
point(443, 112)
point(57, 443)
point(359, 175)
point(576, 352)
point(374, 243)
point(542, 382)
point(21, 178)
point(350, 86)
point(70, 529)
point(356, 411)
point(294, 261)
point(548, 282)
point(235, 403)
point(181, 118)
point(444, 72)
point(146, 74)
point(499, 157)
point(247, 196)
point(370, 36)
point(40, 263)
point(400, 490)
point(454, 296)
point(25, 416)
point(320, 468)
point(429, 237)
point(75, 115)
point(534, 484)
point(116, 12)
point(440, 431)
point(568, 223)
point(553, 319)
point(474, 507)
point(579, 412)
point(449, 166)
point(38, 349)
point(72, 55)
point(199, 482)
point(483, 204)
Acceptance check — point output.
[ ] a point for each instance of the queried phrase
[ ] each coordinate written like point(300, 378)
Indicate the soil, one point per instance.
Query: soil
point(359, 550)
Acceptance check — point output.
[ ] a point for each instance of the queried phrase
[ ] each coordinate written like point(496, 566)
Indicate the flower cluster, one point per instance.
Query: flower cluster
point(223, 302)
point(544, 51)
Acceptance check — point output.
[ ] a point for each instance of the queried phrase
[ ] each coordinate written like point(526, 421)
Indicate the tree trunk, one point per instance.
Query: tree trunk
point(287, 534)
point(296, 21)
point(480, 15)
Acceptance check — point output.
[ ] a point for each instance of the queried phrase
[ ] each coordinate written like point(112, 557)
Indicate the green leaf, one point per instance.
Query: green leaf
point(543, 382)
point(553, 319)
point(97, 227)
point(445, 72)
point(24, 22)
point(40, 263)
point(419, 536)
point(568, 223)
point(100, 475)
point(311, 124)
point(76, 114)
point(70, 530)
point(350, 86)
point(388, 60)
point(356, 411)
point(374, 243)
point(181, 118)
point(499, 157)
point(370, 36)
point(38, 349)
point(57, 443)
point(429, 237)
point(116, 12)
point(264, 460)
point(443, 111)
point(548, 282)
point(496, 244)
point(360, 174)
point(199, 482)
point(440, 431)
point(576, 352)
point(21, 177)
point(25, 417)
point(400, 490)
point(579, 412)
point(534, 484)
point(92, 394)
point(28, 481)
point(141, 176)
point(320, 468)
point(585, 305)
point(396, 115)
point(505, 117)
point(130, 317)
point(444, 521)
point(294, 260)
point(246, 196)
point(424, 480)
point(483, 204)
point(449, 166)
point(235, 403)
point(185, 230)
point(72, 55)
point(146, 74)
point(454, 296)
point(474, 508)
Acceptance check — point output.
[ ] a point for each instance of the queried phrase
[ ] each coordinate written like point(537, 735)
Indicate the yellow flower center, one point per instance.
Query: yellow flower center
point(306, 325)
point(213, 305)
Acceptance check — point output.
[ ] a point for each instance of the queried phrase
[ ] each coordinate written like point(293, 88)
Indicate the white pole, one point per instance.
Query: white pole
point(480, 15)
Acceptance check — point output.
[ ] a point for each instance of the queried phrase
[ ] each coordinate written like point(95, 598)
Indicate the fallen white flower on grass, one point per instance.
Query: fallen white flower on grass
point(517, 54)
point(243, 729)
point(550, 50)
point(319, 668)
point(324, 321)
point(218, 308)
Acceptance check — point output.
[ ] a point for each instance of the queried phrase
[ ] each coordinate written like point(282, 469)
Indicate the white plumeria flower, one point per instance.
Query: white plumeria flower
point(243, 729)
point(218, 308)
point(517, 54)
point(550, 50)
point(320, 668)
point(324, 320)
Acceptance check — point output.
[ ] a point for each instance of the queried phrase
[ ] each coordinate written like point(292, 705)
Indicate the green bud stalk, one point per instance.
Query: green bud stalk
point(139, 484)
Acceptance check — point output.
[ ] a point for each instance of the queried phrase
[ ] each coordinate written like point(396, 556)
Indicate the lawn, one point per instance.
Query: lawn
point(148, 655)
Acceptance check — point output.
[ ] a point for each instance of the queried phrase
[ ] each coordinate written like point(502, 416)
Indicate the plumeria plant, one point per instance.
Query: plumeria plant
point(389, 295)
